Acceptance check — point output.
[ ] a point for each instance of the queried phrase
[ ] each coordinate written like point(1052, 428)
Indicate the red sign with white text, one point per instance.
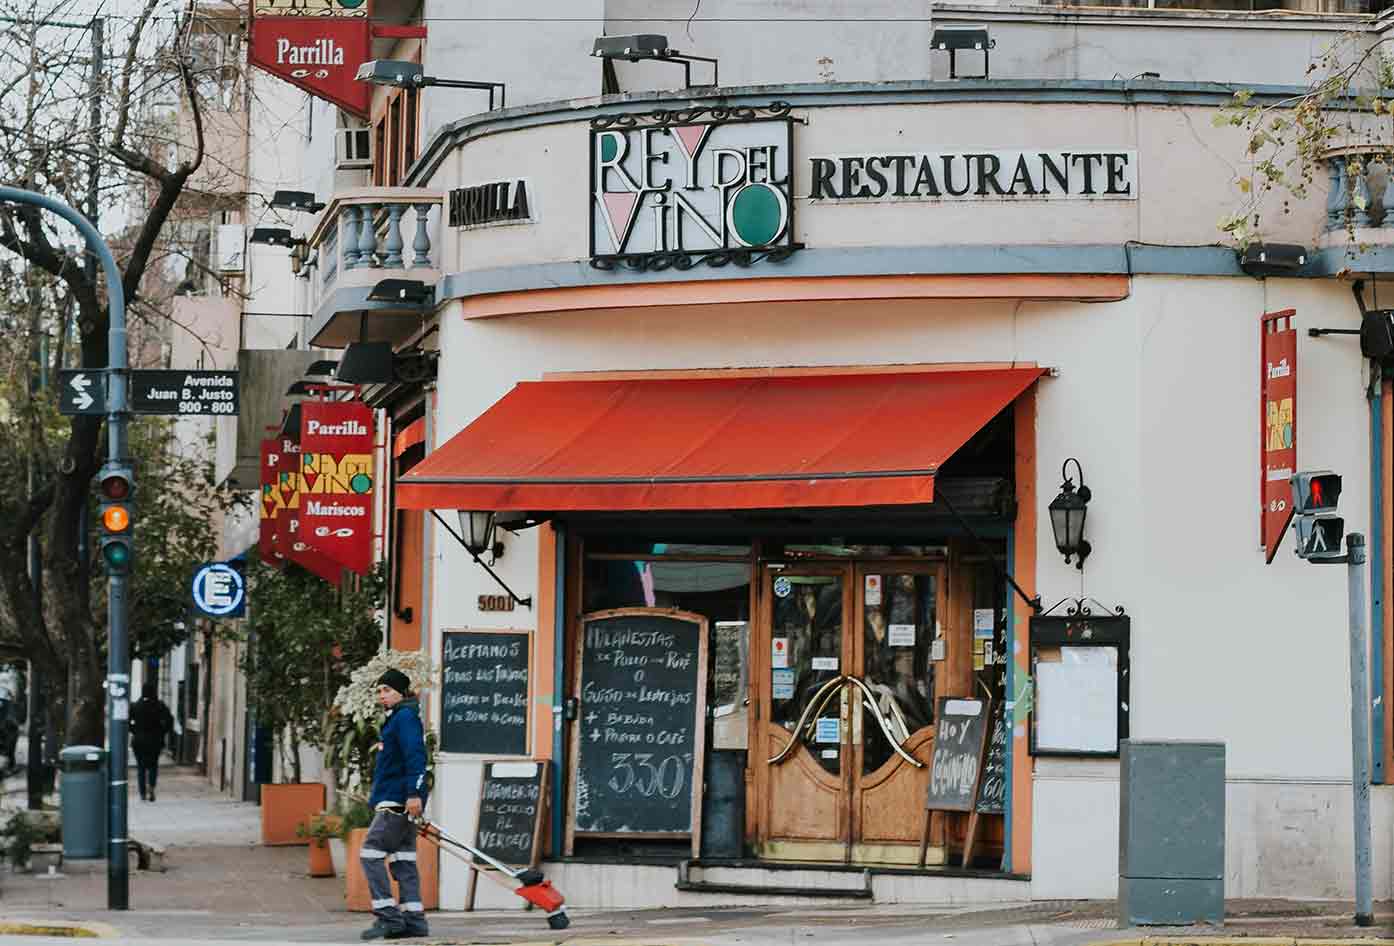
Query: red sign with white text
point(320, 54)
point(336, 481)
point(270, 507)
point(1277, 426)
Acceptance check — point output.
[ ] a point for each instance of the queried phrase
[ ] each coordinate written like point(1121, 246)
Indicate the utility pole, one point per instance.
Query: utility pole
point(1359, 728)
point(118, 579)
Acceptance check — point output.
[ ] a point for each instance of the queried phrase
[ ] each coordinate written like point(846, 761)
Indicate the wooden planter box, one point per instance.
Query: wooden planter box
point(356, 895)
point(285, 807)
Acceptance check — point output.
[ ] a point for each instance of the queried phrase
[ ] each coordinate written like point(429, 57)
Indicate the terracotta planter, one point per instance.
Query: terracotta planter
point(321, 862)
point(356, 896)
point(286, 807)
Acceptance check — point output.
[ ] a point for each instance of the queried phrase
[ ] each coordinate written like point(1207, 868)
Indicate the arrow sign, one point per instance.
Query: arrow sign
point(82, 392)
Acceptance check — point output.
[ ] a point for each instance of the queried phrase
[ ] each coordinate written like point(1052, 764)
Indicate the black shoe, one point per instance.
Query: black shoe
point(382, 930)
point(417, 927)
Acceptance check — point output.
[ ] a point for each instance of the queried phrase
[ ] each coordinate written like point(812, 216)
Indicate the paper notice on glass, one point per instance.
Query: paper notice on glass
point(779, 652)
point(871, 594)
point(1077, 706)
point(936, 649)
point(984, 620)
point(121, 709)
point(782, 684)
point(824, 663)
point(987, 652)
point(1094, 656)
point(828, 753)
point(902, 635)
point(828, 730)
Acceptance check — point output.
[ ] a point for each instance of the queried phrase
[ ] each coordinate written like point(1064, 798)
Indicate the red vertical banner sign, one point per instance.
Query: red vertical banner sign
point(270, 502)
point(336, 473)
point(1277, 425)
point(290, 532)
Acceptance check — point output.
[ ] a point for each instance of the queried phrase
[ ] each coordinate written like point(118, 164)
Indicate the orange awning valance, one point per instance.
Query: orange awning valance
point(713, 443)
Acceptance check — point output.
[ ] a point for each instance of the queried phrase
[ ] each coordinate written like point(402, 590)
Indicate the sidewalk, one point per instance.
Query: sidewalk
point(222, 886)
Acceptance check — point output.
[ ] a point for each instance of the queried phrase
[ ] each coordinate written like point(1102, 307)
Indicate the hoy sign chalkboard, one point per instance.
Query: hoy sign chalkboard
point(484, 691)
point(639, 739)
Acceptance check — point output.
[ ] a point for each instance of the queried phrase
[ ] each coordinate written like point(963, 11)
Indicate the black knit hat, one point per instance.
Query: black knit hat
point(396, 680)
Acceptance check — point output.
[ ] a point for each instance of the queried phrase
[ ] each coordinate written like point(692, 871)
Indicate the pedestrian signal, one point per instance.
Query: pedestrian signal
point(1319, 537)
point(1315, 492)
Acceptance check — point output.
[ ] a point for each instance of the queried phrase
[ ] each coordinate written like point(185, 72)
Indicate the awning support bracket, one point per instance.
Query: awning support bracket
point(525, 602)
point(1034, 603)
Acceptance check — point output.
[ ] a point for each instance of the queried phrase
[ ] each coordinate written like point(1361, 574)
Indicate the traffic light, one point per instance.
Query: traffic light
point(1315, 494)
point(115, 487)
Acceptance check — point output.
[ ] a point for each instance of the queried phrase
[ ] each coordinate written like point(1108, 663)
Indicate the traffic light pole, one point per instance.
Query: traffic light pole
point(118, 649)
point(1359, 728)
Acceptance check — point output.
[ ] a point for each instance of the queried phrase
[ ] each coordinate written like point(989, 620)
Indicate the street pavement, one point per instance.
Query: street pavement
point(222, 886)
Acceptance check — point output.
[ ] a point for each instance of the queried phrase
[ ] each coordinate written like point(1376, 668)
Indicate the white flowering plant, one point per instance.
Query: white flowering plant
point(352, 726)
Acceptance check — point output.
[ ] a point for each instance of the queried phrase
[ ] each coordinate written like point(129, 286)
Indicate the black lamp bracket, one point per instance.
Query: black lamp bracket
point(1080, 607)
point(525, 602)
point(1034, 603)
point(1358, 289)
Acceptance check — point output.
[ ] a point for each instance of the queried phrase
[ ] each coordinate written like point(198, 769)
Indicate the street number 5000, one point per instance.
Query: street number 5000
point(637, 771)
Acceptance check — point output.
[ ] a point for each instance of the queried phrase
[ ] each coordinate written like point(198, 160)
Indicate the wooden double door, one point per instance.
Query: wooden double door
point(852, 655)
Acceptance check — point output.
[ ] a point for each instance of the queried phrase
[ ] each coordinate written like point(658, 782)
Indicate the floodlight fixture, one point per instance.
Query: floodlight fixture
point(652, 46)
point(951, 39)
point(402, 290)
point(403, 74)
point(274, 236)
point(295, 200)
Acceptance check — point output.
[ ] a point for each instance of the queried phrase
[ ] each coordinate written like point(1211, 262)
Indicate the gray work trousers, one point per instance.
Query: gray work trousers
point(391, 844)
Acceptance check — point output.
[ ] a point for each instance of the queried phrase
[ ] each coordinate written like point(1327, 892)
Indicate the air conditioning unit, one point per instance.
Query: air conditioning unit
point(232, 248)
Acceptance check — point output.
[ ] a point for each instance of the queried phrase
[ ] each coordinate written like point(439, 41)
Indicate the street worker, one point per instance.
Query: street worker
point(399, 794)
point(151, 724)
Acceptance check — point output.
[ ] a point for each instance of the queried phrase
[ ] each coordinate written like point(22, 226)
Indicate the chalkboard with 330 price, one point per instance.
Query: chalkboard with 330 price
point(640, 734)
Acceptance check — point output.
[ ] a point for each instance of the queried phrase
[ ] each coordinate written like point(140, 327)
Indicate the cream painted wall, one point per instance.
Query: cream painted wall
point(1185, 172)
point(1155, 395)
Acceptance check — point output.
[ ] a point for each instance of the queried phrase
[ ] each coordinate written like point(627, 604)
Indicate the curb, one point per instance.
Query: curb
point(56, 928)
point(1242, 941)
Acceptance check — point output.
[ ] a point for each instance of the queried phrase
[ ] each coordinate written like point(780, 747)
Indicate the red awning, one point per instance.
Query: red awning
point(713, 443)
point(410, 435)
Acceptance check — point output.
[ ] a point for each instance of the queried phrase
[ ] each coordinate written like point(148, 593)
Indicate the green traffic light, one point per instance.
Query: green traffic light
point(117, 554)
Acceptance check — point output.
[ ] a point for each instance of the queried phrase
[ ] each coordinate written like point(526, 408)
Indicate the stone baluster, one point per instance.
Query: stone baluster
point(421, 245)
point(348, 235)
point(367, 236)
point(393, 240)
point(1337, 200)
point(1387, 200)
point(1360, 199)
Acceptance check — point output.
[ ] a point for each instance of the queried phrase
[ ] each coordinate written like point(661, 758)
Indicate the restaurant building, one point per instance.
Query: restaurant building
point(761, 397)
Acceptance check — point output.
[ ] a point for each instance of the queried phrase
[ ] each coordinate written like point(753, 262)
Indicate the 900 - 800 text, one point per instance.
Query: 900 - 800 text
point(214, 407)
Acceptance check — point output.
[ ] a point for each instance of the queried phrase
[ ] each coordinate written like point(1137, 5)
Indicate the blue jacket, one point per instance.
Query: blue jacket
point(400, 771)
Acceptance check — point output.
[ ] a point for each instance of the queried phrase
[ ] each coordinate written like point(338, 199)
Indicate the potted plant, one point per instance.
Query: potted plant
point(304, 637)
point(351, 736)
point(318, 831)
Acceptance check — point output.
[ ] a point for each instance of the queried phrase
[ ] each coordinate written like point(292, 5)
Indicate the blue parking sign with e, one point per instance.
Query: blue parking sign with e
point(220, 591)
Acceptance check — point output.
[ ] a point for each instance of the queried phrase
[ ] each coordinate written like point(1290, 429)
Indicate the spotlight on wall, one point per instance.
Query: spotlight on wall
point(951, 39)
point(653, 46)
point(303, 201)
point(403, 74)
point(402, 290)
point(1272, 259)
point(274, 236)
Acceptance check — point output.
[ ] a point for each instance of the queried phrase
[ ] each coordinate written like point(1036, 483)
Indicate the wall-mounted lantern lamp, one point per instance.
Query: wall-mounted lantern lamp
point(652, 46)
point(476, 536)
point(274, 236)
point(952, 39)
point(402, 290)
point(402, 74)
point(303, 201)
point(1067, 513)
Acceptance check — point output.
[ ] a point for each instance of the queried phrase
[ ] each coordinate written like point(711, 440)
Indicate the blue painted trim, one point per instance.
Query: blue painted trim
point(559, 695)
point(833, 94)
point(1009, 687)
point(1378, 676)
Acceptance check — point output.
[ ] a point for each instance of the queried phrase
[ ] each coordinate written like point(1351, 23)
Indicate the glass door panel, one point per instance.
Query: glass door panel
point(899, 652)
point(806, 656)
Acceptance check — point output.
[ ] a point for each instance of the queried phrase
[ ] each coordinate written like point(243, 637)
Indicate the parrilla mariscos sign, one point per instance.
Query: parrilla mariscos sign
point(976, 175)
point(671, 190)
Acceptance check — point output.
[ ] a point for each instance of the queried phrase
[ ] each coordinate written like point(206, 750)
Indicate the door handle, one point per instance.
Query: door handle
point(869, 700)
point(812, 708)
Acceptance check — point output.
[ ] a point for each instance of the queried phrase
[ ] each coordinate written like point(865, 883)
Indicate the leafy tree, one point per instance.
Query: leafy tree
point(306, 638)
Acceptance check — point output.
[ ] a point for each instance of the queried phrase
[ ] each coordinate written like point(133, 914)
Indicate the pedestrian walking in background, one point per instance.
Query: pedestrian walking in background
point(399, 794)
point(151, 724)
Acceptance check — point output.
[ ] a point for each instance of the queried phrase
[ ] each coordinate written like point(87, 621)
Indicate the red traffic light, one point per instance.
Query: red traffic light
point(1315, 491)
point(114, 483)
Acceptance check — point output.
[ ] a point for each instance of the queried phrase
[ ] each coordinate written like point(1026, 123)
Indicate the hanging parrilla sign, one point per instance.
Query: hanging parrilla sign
point(315, 51)
point(1081, 174)
point(336, 481)
point(1277, 427)
point(677, 188)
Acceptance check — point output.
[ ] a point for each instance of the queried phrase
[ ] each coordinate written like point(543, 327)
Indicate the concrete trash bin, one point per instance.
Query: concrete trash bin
point(84, 801)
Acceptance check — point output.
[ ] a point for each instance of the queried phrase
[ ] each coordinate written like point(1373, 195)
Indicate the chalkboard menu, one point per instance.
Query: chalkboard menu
point(992, 795)
point(484, 692)
point(511, 803)
point(959, 741)
point(639, 738)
